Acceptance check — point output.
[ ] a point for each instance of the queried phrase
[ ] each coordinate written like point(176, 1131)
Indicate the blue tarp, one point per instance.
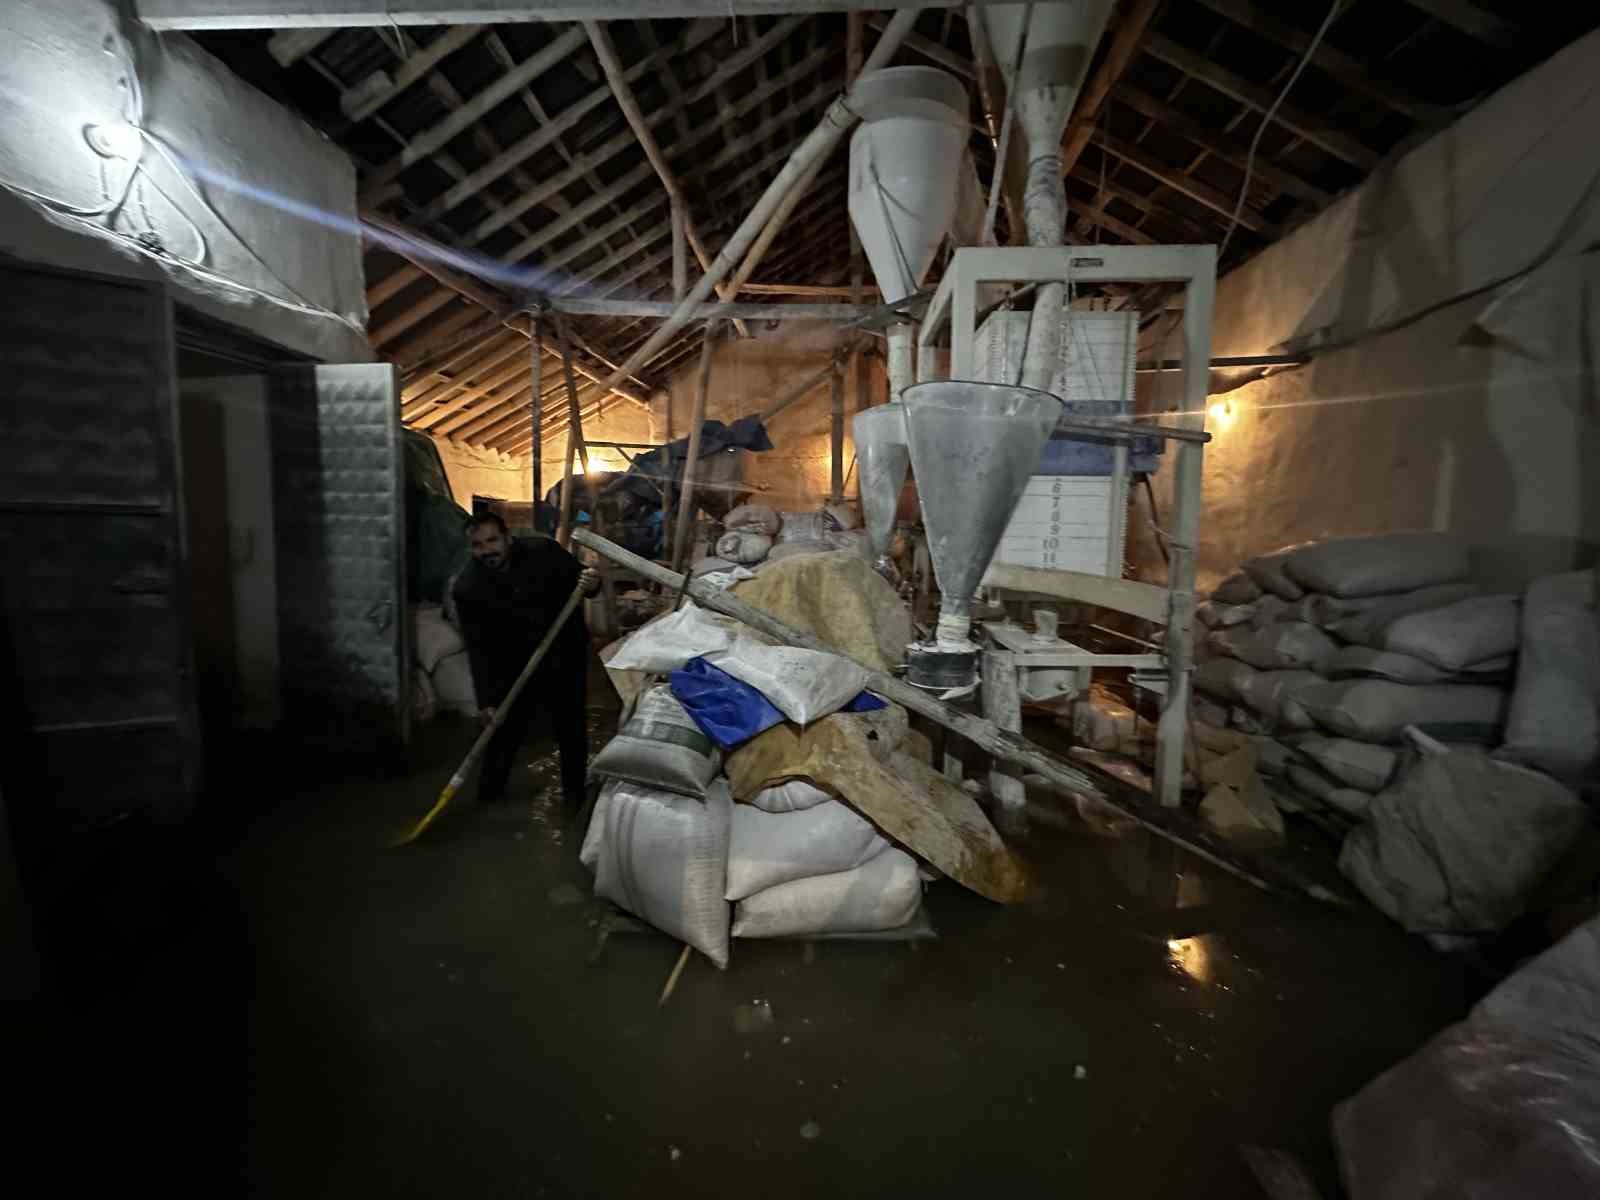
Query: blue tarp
point(729, 711)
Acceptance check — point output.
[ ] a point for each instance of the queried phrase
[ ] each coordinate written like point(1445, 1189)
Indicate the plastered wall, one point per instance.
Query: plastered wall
point(281, 215)
point(1461, 284)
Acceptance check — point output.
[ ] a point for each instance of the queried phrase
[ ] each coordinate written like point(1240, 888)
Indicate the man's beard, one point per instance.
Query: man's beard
point(492, 561)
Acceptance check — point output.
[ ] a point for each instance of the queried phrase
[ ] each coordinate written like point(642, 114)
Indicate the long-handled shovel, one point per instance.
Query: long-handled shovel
point(478, 747)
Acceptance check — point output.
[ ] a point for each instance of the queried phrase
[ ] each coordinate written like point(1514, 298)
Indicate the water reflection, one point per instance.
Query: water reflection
point(1192, 956)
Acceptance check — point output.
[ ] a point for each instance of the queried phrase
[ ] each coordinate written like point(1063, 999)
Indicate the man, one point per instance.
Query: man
point(506, 600)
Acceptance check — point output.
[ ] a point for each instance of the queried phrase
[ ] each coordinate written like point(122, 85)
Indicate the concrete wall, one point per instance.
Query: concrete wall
point(1460, 277)
point(281, 215)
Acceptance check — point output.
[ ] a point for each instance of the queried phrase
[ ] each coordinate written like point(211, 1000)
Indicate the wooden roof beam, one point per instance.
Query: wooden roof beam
point(1175, 178)
point(1336, 142)
point(606, 51)
point(1121, 50)
point(1332, 61)
point(1220, 144)
point(367, 97)
point(1475, 21)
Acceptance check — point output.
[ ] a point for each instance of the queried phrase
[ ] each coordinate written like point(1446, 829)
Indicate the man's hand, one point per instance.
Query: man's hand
point(486, 716)
point(589, 581)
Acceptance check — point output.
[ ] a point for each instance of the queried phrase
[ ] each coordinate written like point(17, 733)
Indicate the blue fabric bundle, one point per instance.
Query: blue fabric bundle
point(729, 711)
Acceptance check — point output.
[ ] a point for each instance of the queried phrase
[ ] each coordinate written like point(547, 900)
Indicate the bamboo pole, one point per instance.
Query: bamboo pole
point(837, 431)
point(680, 541)
point(575, 442)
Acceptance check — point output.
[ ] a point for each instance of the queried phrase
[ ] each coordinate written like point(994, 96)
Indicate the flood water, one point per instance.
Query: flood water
point(357, 1020)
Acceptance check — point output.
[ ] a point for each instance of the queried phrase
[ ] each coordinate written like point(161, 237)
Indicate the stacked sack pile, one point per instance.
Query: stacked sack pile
point(756, 533)
point(1339, 658)
point(668, 843)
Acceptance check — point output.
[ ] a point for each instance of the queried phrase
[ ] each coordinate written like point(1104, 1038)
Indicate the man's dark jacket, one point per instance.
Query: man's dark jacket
point(505, 614)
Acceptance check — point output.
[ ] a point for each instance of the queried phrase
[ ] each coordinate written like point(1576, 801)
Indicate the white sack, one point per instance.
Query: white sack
point(757, 518)
point(666, 643)
point(743, 546)
point(1222, 677)
point(1555, 710)
point(1350, 662)
point(1271, 608)
point(1266, 691)
point(1272, 756)
point(772, 848)
point(452, 684)
point(1376, 710)
point(1268, 572)
point(1237, 588)
point(1220, 616)
point(1379, 564)
point(660, 746)
point(1351, 801)
point(433, 637)
point(1325, 610)
point(1363, 627)
point(1459, 841)
point(794, 795)
point(1459, 634)
point(881, 894)
point(1360, 765)
point(664, 858)
point(1280, 646)
point(803, 527)
point(804, 685)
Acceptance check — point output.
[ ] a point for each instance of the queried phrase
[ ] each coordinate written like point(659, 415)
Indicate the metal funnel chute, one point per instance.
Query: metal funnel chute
point(973, 447)
point(903, 184)
point(882, 459)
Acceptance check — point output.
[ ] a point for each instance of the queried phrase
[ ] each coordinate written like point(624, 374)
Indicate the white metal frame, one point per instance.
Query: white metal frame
point(953, 314)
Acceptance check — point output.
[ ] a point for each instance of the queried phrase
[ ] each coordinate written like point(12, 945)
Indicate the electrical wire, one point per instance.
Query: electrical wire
point(1266, 119)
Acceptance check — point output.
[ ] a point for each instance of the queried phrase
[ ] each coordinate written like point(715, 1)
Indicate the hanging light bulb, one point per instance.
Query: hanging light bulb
point(1221, 414)
point(115, 139)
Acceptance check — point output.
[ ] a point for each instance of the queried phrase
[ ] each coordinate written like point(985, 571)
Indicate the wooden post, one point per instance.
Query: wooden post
point(1173, 726)
point(1002, 704)
point(680, 254)
point(837, 382)
point(685, 518)
point(536, 379)
point(603, 627)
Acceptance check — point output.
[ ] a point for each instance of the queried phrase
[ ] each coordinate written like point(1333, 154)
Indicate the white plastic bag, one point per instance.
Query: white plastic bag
point(664, 858)
point(1266, 692)
point(666, 643)
point(1353, 802)
point(772, 848)
point(804, 685)
point(881, 894)
point(1357, 661)
point(1223, 677)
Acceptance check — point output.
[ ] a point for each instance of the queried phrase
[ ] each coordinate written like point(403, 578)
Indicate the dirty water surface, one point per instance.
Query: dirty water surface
point(445, 1020)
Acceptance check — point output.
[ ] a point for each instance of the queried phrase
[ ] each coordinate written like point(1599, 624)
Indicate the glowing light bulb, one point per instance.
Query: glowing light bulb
point(116, 139)
point(1221, 414)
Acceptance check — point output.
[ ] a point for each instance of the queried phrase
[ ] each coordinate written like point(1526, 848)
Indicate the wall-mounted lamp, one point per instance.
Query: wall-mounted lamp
point(1220, 415)
point(115, 139)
